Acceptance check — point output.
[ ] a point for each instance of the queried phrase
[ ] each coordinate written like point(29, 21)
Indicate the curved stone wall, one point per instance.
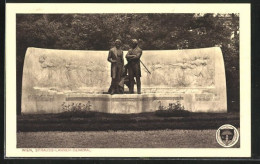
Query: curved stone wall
point(194, 77)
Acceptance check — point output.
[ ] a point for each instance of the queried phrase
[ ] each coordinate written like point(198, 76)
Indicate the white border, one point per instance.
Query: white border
point(245, 76)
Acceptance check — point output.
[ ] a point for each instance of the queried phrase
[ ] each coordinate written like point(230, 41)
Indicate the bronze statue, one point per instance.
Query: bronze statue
point(133, 57)
point(115, 57)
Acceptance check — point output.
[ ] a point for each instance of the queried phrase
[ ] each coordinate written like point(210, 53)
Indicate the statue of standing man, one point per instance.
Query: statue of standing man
point(115, 57)
point(134, 70)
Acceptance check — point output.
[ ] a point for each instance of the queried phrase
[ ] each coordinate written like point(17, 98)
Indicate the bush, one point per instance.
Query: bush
point(77, 110)
point(173, 110)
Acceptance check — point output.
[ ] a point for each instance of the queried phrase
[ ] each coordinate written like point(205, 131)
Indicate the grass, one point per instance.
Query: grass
point(120, 139)
point(103, 121)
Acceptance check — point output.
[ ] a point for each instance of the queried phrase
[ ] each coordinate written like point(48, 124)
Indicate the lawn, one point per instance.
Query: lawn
point(120, 139)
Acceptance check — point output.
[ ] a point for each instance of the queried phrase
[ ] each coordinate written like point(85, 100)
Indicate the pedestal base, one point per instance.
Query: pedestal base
point(122, 103)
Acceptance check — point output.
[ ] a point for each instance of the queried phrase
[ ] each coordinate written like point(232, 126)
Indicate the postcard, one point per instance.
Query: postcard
point(128, 80)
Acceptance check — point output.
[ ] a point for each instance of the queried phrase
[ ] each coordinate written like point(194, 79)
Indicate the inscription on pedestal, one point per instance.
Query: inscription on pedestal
point(207, 97)
point(203, 97)
point(41, 97)
point(124, 107)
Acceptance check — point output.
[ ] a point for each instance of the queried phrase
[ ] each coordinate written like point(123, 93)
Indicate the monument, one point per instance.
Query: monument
point(193, 77)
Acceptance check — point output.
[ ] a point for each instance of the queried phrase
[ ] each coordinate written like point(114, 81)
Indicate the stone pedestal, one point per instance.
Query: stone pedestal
point(54, 79)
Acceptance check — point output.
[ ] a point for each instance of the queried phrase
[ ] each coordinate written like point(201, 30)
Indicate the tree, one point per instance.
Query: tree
point(155, 32)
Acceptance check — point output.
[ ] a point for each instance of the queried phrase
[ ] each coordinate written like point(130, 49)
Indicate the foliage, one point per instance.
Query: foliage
point(77, 110)
point(76, 107)
point(172, 106)
point(173, 110)
point(154, 31)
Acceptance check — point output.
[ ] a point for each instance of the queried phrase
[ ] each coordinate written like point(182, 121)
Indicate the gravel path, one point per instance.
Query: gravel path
point(120, 139)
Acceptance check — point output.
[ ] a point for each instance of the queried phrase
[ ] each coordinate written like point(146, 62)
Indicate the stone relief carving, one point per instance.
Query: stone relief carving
point(70, 74)
point(187, 72)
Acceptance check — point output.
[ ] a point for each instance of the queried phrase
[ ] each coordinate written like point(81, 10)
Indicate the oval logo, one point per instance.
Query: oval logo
point(227, 135)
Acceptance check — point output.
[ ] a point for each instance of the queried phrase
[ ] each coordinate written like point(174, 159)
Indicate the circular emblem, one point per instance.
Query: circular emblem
point(227, 135)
